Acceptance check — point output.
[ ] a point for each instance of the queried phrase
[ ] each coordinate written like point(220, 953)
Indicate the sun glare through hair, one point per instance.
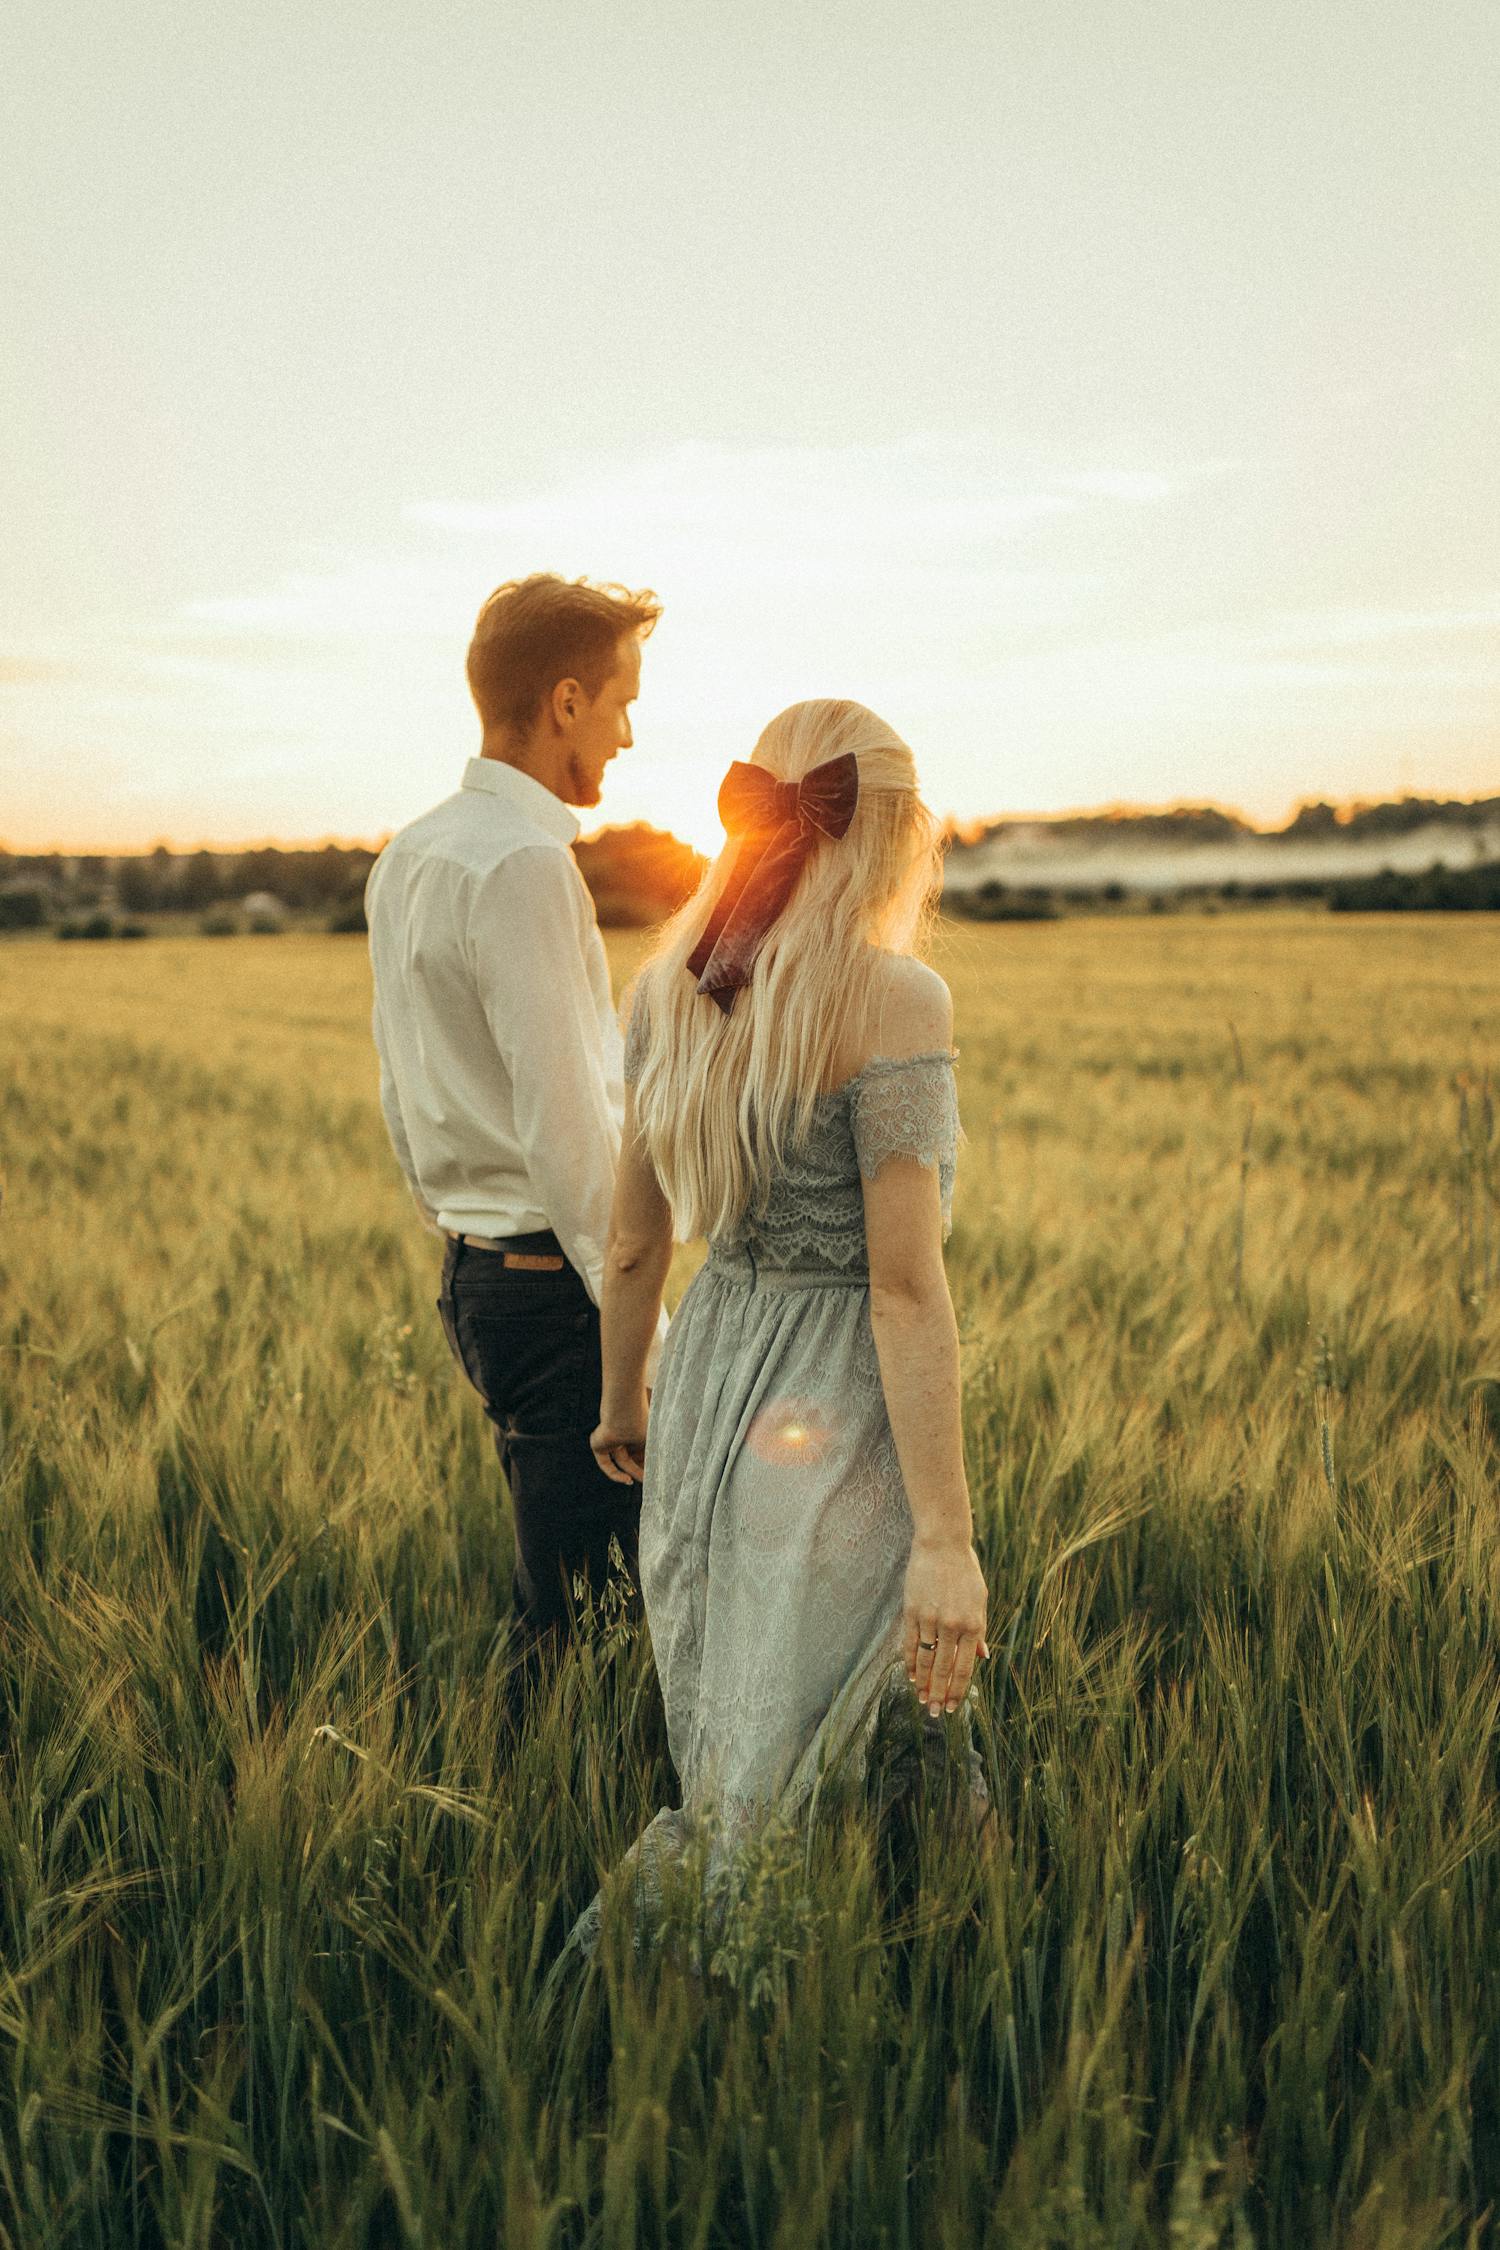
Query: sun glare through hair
point(720, 1100)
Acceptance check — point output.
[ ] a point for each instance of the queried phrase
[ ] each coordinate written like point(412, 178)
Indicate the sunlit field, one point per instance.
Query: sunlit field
point(279, 1891)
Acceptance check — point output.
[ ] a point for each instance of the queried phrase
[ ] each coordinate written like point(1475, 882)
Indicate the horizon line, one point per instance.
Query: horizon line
point(960, 828)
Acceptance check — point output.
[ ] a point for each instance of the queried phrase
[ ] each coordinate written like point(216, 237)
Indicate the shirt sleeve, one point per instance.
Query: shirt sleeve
point(526, 939)
point(395, 1125)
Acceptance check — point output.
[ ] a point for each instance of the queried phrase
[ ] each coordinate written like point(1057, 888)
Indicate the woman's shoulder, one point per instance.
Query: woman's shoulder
point(911, 1010)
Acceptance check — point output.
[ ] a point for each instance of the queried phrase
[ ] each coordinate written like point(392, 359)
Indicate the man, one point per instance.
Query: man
point(500, 1061)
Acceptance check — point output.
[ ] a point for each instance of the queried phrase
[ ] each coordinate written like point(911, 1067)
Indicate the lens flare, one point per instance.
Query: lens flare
point(787, 1431)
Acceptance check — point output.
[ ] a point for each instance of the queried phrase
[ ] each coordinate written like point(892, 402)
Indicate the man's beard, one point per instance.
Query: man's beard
point(582, 789)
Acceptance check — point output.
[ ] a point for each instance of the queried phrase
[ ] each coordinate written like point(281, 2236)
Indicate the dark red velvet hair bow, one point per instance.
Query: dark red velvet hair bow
point(776, 826)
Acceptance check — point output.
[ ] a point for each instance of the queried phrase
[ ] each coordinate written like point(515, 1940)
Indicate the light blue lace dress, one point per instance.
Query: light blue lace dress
point(775, 1526)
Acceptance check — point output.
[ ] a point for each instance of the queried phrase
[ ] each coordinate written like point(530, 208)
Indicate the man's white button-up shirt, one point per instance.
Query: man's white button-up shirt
point(501, 1069)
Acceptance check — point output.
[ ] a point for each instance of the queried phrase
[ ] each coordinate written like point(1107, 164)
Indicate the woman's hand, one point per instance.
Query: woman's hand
point(619, 1443)
point(943, 1621)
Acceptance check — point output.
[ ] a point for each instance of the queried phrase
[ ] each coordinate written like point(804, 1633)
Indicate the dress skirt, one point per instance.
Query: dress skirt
point(775, 1525)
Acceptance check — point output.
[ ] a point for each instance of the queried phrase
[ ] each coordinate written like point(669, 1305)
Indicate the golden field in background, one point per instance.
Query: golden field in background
point(279, 1894)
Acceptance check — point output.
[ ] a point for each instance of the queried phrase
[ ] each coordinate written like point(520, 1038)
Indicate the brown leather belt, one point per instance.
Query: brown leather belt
point(532, 1253)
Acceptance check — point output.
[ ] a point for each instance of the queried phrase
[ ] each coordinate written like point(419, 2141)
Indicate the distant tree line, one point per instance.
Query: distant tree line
point(1211, 824)
point(1434, 890)
point(1437, 890)
point(638, 876)
point(1395, 817)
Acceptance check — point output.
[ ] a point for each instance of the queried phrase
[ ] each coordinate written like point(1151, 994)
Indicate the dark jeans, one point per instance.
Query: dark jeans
point(529, 1343)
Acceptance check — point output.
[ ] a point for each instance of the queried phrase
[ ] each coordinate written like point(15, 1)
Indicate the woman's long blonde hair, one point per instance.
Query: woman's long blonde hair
point(720, 1100)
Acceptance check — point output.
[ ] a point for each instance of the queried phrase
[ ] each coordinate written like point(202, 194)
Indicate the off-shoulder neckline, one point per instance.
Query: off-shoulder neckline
point(883, 1063)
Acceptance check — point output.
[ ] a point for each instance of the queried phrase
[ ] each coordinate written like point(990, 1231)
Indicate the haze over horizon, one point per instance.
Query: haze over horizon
point(599, 820)
point(1112, 386)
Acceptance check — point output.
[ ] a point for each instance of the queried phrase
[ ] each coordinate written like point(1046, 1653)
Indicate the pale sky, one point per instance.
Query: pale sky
point(1104, 390)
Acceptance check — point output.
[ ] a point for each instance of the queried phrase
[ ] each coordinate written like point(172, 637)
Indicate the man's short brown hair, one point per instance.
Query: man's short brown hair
point(533, 632)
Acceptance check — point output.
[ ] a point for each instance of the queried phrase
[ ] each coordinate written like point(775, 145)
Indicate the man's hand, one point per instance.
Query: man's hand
point(619, 1443)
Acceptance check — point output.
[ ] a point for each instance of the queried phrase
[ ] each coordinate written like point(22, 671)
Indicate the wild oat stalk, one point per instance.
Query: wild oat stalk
point(1323, 1391)
point(1246, 1149)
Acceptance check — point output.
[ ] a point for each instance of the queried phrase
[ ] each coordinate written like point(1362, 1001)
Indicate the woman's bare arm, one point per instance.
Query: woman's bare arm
point(916, 1343)
point(635, 1273)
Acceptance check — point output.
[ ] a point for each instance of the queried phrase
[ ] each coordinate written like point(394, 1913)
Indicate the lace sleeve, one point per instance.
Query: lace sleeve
point(908, 1106)
point(635, 1036)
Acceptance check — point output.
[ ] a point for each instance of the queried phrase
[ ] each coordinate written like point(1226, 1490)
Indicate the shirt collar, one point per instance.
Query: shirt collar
point(523, 795)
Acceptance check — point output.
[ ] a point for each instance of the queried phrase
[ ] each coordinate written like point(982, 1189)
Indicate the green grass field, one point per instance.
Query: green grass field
point(278, 1894)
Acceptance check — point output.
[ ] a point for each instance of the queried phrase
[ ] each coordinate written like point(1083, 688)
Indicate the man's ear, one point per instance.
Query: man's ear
point(567, 701)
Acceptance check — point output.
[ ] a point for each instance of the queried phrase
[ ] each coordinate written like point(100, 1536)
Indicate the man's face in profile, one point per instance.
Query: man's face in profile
point(602, 727)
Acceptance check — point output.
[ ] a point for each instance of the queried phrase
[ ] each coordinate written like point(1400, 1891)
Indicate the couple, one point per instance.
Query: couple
point(786, 1091)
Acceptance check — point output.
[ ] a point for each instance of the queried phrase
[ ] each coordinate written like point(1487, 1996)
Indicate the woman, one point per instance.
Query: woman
point(805, 1525)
